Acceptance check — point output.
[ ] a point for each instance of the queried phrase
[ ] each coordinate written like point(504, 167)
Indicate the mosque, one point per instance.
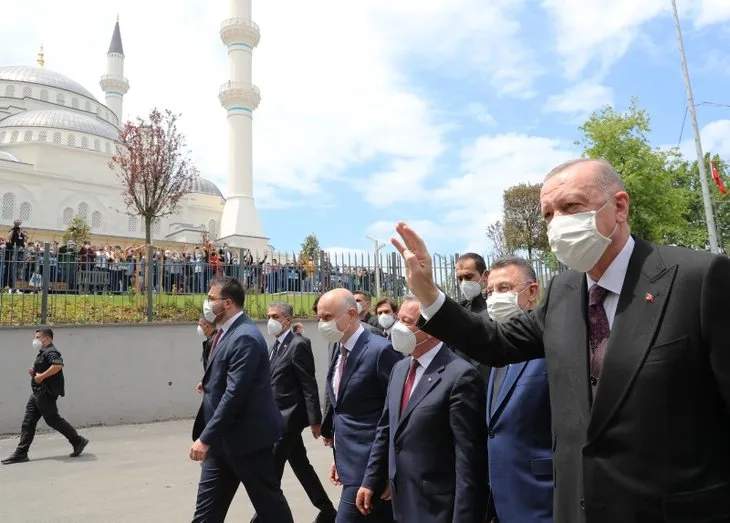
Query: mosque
point(56, 141)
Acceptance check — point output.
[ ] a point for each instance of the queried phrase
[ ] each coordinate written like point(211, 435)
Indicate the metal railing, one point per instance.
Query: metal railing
point(67, 285)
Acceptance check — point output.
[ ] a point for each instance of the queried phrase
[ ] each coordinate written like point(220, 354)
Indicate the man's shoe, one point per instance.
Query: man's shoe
point(15, 458)
point(79, 447)
point(328, 516)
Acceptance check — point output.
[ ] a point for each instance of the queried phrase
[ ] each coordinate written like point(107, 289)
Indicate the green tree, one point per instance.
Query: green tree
point(524, 226)
point(657, 207)
point(78, 231)
point(310, 249)
point(495, 233)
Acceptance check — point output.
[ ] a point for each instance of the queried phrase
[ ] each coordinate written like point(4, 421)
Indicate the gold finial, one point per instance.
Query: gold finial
point(41, 57)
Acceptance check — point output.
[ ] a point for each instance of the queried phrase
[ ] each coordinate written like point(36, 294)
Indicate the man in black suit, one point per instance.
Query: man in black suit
point(207, 331)
point(239, 421)
point(637, 355)
point(295, 389)
point(430, 448)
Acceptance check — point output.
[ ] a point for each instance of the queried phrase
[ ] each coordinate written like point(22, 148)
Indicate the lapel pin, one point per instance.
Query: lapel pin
point(429, 379)
point(649, 298)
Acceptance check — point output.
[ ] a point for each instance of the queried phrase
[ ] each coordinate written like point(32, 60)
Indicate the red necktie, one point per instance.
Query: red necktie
point(215, 342)
point(409, 385)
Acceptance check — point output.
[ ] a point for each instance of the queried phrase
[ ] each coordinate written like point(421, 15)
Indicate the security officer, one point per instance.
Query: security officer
point(207, 331)
point(47, 385)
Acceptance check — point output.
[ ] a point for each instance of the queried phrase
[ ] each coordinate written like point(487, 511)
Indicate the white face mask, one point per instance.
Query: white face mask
point(359, 308)
point(208, 311)
point(576, 241)
point(329, 330)
point(502, 306)
point(470, 289)
point(386, 320)
point(37, 344)
point(403, 339)
point(201, 332)
point(274, 327)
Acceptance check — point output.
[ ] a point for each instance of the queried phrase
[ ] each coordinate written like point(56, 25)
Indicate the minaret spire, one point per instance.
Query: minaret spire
point(114, 85)
point(41, 57)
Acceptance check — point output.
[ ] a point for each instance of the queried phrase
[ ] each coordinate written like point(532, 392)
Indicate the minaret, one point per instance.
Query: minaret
point(114, 85)
point(240, 224)
point(41, 58)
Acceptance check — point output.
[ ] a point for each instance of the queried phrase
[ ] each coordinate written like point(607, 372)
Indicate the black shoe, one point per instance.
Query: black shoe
point(15, 458)
point(79, 447)
point(326, 516)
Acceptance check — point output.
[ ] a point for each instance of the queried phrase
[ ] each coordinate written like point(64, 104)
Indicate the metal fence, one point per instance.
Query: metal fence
point(48, 284)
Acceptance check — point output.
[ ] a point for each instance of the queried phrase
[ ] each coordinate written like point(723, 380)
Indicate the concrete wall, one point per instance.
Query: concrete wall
point(119, 373)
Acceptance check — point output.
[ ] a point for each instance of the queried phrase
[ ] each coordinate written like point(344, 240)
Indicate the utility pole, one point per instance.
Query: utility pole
point(709, 214)
point(378, 247)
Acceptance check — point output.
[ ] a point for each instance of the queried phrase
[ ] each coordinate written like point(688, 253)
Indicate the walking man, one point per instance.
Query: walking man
point(47, 384)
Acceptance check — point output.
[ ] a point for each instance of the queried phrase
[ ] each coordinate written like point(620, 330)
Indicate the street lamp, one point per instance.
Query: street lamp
point(378, 247)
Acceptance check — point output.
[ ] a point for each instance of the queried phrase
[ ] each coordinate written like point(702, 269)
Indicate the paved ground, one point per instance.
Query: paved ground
point(128, 474)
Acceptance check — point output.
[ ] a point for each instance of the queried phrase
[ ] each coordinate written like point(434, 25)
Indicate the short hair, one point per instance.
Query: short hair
point(314, 304)
point(365, 294)
point(409, 297)
point(525, 265)
point(390, 301)
point(609, 180)
point(231, 289)
point(479, 262)
point(45, 332)
point(286, 309)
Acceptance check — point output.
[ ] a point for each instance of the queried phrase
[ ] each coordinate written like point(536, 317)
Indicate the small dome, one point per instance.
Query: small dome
point(60, 119)
point(42, 76)
point(204, 186)
point(8, 157)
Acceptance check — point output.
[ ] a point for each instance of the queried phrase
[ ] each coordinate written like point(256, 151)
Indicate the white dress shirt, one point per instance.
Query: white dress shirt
point(349, 345)
point(424, 360)
point(612, 280)
point(283, 336)
point(227, 325)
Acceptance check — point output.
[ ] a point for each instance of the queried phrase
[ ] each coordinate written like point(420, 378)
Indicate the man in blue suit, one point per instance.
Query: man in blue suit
point(429, 449)
point(239, 421)
point(518, 410)
point(357, 384)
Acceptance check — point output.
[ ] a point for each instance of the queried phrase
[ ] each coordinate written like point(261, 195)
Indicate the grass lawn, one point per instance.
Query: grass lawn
point(25, 309)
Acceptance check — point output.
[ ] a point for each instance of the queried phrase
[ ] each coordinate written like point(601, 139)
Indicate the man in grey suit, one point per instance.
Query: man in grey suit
point(429, 453)
point(637, 351)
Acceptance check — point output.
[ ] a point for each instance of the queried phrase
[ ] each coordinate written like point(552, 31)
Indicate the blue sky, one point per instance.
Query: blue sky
point(377, 111)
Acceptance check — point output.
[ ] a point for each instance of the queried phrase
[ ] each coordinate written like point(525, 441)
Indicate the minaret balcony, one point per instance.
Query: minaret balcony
point(240, 31)
point(239, 94)
point(112, 82)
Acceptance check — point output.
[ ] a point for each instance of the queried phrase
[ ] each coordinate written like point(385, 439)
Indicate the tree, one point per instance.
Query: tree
point(657, 211)
point(78, 231)
point(310, 249)
point(495, 233)
point(152, 165)
point(524, 226)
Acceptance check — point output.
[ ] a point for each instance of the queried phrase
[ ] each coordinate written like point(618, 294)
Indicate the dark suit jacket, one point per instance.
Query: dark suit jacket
point(355, 414)
point(653, 447)
point(434, 454)
point(520, 444)
point(207, 343)
point(239, 415)
point(478, 306)
point(295, 385)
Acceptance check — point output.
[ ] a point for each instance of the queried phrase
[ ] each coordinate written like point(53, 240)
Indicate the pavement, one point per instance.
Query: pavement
point(128, 474)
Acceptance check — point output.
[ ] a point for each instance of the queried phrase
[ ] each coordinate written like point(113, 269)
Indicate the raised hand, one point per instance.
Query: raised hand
point(419, 269)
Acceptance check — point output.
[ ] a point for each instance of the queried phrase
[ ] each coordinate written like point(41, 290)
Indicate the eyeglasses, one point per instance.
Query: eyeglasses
point(506, 287)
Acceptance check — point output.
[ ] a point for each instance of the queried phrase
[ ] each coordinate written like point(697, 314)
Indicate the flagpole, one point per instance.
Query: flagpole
point(709, 214)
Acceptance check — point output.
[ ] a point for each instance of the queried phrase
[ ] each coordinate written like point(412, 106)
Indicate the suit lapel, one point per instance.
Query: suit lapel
point(640, 308)
point(223, 339)
point(431, 377)
point(281, 350)
point(510, 380)
point(352, 361)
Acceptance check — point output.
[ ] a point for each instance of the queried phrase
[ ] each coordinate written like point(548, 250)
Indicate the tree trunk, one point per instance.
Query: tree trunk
point(148, 242)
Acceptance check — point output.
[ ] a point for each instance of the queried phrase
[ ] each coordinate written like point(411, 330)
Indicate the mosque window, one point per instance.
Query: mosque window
point(83, 211)
point(60, 98)
point(87, 106)
point(97, 145)
point(71, 140)
point(96, 220)
point(108, 148)
point(14, 137)
point(10, 91)
point(132, 224)
point(42, 136)
point(213, 229)
point(84, 142)
point(156, 227)
point(27, 92)
point(28, 136)
point(44, 95)
point(68, 215)
point(2, 136)
point(75, 103)
point(57, 138)
point(26, 212)
point(8, 206)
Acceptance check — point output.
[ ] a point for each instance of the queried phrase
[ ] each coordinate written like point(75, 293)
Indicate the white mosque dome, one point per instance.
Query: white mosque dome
point(42, 76)
point(8, 157)
point(60, 119)
point(205, 186)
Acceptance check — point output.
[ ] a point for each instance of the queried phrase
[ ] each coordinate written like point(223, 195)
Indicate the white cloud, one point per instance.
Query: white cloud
point(709, 12)
point(715, 138)
point(480, 113)
point(580, 99)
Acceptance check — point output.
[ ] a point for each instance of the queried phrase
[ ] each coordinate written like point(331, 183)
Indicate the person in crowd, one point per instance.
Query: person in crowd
point(239, 422)
point(634, 336)
point(357, 384)
point(297, 395)
point(387, 312)
point(518, 409)
point(429, 451)
point(47, 384)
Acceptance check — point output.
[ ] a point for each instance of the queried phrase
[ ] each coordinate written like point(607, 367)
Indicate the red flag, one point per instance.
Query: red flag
point(716, 176)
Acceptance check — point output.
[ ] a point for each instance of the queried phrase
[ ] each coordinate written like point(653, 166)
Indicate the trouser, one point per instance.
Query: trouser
point(347, 512)
point(219, 479)
point(43, 405)
point(290, 447)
